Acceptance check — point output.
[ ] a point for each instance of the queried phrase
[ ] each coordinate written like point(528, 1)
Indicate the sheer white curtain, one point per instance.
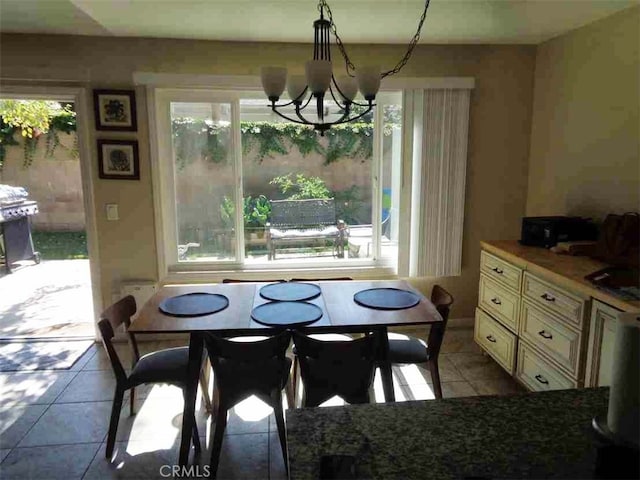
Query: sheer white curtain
point(441, 124)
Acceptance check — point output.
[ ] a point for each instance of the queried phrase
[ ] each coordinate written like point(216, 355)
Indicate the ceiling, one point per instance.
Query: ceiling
point(358, 21)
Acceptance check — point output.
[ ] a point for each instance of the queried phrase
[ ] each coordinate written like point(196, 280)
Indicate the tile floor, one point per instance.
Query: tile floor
point(53, 424)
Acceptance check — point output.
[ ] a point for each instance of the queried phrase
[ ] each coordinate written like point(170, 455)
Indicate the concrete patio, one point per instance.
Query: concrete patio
point(52, 299)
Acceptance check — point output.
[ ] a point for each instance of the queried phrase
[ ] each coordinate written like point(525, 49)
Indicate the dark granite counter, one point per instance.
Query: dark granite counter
point(533, 435)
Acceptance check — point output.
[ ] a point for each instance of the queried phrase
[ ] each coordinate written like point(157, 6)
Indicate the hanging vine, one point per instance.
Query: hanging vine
point(201, 139)
point(33, 119)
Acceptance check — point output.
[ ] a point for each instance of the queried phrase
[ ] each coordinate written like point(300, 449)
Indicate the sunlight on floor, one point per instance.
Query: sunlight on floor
point(252, 409)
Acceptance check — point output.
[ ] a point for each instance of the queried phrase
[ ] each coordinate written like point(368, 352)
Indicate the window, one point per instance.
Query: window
point(223, 157)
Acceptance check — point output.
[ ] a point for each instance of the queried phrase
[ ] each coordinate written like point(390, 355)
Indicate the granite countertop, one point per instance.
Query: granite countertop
point(565, 270)
point(532, 435)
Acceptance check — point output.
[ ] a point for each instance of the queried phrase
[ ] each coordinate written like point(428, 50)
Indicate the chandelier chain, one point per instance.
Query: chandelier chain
point(350, 67)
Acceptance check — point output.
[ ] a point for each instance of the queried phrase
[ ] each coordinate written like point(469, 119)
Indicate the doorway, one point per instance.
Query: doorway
point(47, 272)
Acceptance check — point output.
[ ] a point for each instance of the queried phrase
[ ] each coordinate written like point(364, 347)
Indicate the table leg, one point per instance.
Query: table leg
point(385, 367)
point(188, 414)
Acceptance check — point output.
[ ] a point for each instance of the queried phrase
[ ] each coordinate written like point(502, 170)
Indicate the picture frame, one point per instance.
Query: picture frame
point(115, 110)
point(118, 160)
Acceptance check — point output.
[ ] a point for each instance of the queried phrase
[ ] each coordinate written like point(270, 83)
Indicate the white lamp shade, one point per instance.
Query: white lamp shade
point(348, 87)
point(295, 87)
point(368, 81)
point(318, 74)
point(273, 81)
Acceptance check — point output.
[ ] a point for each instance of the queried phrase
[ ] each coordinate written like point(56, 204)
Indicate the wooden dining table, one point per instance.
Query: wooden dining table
point(340, 314)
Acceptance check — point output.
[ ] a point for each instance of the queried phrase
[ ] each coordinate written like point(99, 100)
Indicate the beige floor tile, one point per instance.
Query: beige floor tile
point(277, 470)
point(33, 387)
point(70, 423)
point(411, 374)
point(244, 456)
point(3, 453)
point(89, 386)
point(65, 462)
point(156, 419)
point(503, 385)
point(100, 361)
point(458, 389)
point(459, 340)
point(474, 366)
point(15, 422)
point(136, 460)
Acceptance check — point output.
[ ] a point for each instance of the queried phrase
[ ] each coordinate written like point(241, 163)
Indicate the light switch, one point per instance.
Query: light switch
point(112, 211)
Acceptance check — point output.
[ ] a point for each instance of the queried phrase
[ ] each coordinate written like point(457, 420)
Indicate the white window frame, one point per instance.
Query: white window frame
point(164, 198)
point(160, 84)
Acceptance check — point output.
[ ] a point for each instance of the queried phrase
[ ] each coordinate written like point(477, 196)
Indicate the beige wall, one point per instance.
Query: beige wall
point(585, 129)
point(498, 136)
point(54, 182)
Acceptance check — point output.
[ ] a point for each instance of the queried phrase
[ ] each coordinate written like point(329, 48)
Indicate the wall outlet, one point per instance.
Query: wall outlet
point(112, 212)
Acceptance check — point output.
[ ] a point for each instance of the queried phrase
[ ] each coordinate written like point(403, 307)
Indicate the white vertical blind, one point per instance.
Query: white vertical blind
point(441, 183)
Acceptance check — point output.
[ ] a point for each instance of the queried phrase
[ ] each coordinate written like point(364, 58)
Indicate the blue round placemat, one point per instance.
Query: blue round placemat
point(193, 304)
point(290, 291)
point(387, 298)
point(283, 314)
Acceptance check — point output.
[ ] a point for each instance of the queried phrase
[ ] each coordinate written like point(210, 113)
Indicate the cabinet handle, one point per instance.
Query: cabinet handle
point(491, 339)
point(496, 301)
point(547, 297)
point(541, 379)
point(497, 270)
point(544, 334)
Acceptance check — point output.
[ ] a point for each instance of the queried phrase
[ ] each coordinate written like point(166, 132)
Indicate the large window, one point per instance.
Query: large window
point(225, 157)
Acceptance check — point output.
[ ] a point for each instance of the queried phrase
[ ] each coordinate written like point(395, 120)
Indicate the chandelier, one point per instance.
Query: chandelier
point(319, 79)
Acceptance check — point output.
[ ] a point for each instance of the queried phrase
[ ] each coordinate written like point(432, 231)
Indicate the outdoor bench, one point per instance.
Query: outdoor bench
point(304, 222)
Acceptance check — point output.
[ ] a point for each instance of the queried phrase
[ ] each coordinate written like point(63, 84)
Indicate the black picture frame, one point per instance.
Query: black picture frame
point(115, 110)
point(118, 160)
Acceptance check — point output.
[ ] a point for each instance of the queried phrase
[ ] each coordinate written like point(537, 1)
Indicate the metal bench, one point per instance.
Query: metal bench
point(304, 222)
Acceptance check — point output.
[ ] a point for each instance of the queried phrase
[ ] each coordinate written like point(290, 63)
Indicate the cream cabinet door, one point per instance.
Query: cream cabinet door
point(602, 334)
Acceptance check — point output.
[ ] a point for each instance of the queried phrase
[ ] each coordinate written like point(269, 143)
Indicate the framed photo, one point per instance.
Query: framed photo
point(118, 159)
point(115, 110)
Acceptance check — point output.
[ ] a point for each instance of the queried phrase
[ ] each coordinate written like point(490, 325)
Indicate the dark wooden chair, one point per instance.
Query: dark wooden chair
point(329, 337)
point(242, 369)
point(163, 366)
point(404, 349)
point(330, 368)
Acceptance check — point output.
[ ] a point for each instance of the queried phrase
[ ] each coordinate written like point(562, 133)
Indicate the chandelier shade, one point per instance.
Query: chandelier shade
point(319, 79)
point(318, 73)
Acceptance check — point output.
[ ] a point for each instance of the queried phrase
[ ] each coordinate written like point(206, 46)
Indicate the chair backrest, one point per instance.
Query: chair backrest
point(240, 365)
point(334, 279)
point(303, 213)
point(330, 368)
point(442, 301)
point(111, 319)
point(237, 280)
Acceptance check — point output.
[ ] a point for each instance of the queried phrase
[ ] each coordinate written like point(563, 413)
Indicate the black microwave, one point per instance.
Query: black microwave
point(548, 231)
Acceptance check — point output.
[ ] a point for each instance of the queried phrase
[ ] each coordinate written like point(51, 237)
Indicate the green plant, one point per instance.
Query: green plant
point(34, 118)
point(255, 211)
point(301, 187)
point(348, 204)
point(227, 212)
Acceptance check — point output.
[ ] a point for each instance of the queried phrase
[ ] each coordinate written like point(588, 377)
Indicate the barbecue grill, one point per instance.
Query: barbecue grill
point(15, 226)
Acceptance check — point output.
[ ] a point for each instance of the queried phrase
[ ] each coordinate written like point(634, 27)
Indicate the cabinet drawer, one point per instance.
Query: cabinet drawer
point(500, 270)
point(538, 374)
point(567, 305)
point(496, 340)
point(500, 302)
point(550, 336)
